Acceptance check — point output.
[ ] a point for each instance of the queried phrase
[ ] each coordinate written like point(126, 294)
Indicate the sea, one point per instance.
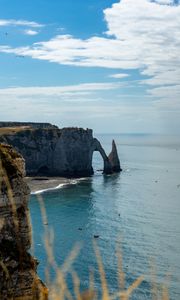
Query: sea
point(132, 219)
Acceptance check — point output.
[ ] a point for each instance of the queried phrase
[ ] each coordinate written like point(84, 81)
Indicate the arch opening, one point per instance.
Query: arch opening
point(107, 168)
point(97, 162)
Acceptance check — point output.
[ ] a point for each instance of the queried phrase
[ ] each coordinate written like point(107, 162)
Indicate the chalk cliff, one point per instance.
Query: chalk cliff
point(52, 151)
point(114, 159)
point(18, 278)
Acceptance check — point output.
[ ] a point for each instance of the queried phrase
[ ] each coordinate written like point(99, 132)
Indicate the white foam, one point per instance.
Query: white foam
point(59, 186)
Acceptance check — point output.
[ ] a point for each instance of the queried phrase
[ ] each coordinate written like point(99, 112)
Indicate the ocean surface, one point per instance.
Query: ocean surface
point(136, 212)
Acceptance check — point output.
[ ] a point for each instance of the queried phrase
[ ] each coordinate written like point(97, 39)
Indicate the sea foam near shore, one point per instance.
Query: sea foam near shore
point(39, 185)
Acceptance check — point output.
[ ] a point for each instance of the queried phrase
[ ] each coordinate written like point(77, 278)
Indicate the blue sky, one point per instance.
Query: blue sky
point(108, 65)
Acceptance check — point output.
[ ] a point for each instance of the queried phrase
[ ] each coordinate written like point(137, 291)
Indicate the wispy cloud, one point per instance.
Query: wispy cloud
point(119, 75)
point(54, 91)
point(166, 92)
point(124, 117)
point(12, 22)
point(140, 34)
point(30, 32)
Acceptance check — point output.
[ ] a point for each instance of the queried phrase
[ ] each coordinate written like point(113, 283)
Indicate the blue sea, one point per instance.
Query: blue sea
point(136, 212)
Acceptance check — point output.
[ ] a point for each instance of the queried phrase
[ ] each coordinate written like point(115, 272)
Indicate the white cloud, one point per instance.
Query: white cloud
point(119, 75)
point(30, 32)
point(93, 52)
point(83, 105)
point(12, 22)
point(166, 92)
point(54, 91)
point(172, 77)
point(123, 118)
point(140, 34)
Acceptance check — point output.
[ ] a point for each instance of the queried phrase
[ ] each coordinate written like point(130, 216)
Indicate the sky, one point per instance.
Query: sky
point(109, 65)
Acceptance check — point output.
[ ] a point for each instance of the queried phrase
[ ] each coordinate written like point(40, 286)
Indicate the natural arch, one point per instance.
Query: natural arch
point(107, 169)
point(97, 162)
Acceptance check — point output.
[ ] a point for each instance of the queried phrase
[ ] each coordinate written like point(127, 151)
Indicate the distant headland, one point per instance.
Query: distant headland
point(51, 151)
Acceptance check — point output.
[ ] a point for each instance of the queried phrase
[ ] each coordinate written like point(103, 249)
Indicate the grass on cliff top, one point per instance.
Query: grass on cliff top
point(13, 130)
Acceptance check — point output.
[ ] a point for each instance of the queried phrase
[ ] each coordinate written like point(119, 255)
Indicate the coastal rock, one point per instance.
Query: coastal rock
point(114, 159)
point(107, 165)
point(50, 151)
point(18, 278)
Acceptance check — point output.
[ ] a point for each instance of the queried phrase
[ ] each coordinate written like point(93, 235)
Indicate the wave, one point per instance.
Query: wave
point(59, 186)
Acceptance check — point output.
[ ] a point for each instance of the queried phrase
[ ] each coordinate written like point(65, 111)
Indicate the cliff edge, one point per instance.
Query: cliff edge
point(18, 278)
point(51, 151)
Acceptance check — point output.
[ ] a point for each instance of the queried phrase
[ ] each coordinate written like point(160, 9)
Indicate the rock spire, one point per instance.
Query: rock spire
point(114, 159)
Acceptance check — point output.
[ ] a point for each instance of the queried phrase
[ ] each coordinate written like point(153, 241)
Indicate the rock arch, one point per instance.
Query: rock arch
point(107, 165)
point(64, 152)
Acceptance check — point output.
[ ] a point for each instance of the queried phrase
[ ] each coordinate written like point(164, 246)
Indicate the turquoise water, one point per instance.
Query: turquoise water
point(138, 208)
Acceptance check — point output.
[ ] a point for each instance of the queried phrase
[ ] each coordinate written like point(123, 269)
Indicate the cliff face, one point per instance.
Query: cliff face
point(57, 152)
point(18, 276)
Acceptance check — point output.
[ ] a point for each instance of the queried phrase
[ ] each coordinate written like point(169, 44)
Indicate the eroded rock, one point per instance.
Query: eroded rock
point(114, 158)
point(18, 278)
point(50, 151)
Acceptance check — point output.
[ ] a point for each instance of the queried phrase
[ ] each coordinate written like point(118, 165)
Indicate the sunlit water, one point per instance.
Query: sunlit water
point(138, 209)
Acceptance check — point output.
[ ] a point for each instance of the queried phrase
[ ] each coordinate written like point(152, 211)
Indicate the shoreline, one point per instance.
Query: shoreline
point(43, 184)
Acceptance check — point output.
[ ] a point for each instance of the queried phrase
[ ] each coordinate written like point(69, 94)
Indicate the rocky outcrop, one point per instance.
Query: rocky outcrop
point(18, 278)
point(114, 159)
point(56, 152)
